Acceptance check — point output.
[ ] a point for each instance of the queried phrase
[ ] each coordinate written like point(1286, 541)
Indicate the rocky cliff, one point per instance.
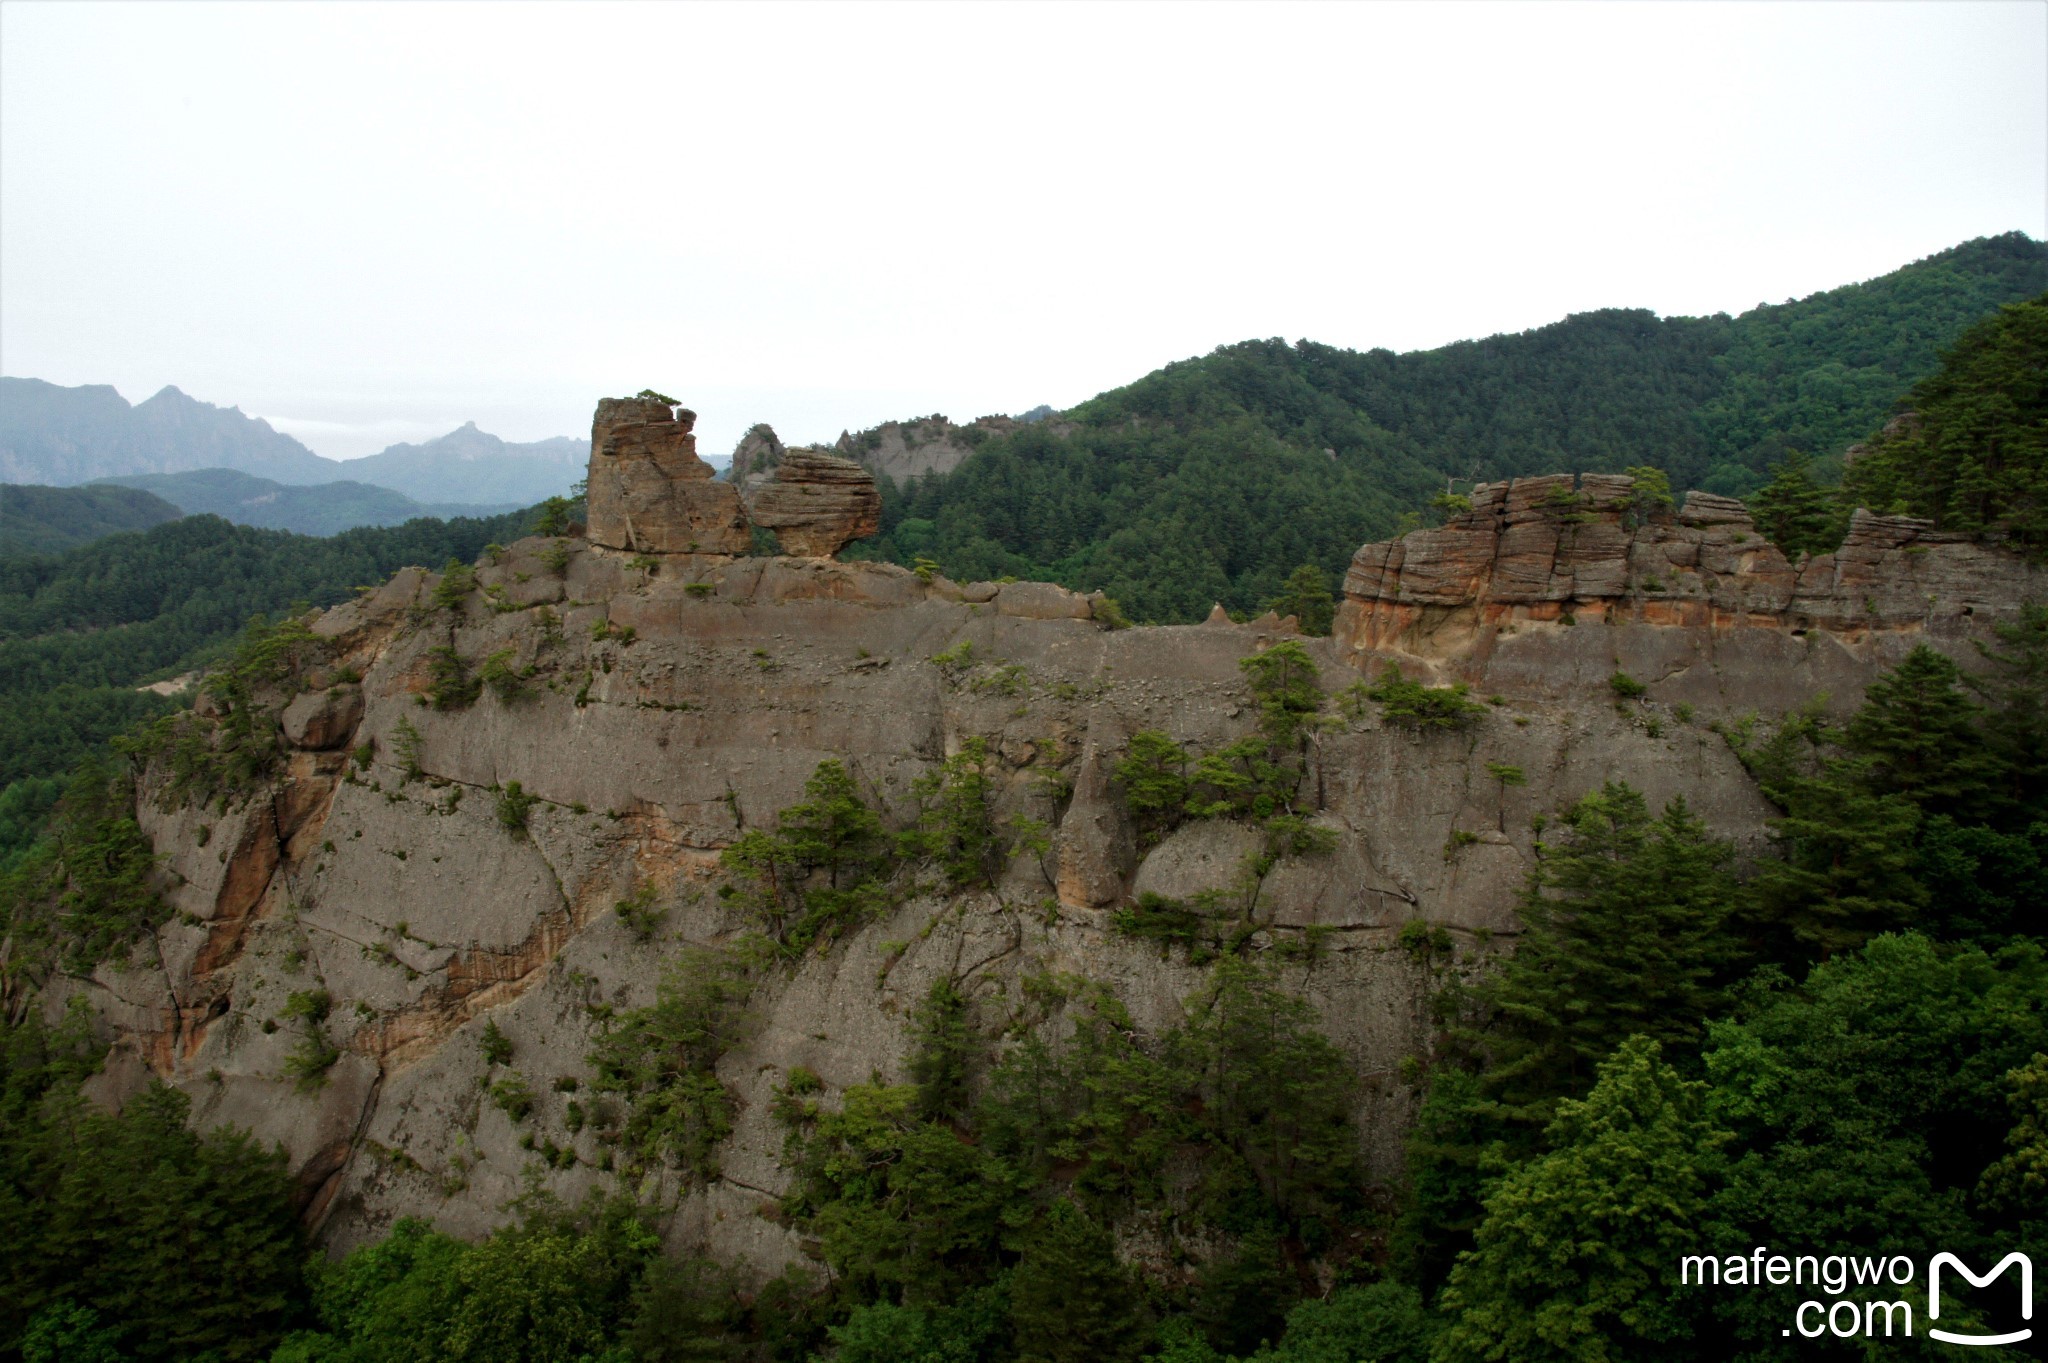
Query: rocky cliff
point(503, 802)
point(1551, 584)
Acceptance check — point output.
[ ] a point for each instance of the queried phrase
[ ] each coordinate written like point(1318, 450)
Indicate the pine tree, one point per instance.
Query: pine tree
point(1974, 454)
point(1845, 864)
point(2017, 726)
point(1795, 512)
point(941, 1042)
point(1070, 1300)
point(1622, 935)
point(1306, 597)
point(832, 827)
point(1918, 730)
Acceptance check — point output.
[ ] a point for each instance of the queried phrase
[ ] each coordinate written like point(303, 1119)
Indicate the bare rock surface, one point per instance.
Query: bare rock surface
point(817, 503)
point(1505, 593)
point(323, 719)
point(649, 492)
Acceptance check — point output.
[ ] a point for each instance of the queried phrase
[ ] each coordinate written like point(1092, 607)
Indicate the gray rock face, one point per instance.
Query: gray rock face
point(673, 703)
point(323, 719)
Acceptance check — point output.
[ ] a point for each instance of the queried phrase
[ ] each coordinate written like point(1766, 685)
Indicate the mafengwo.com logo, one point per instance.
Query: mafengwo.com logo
point(1848, 1289)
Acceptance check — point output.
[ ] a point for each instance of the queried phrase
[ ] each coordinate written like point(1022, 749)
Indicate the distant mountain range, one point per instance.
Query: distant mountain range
point(66, 436)
point(319, 509)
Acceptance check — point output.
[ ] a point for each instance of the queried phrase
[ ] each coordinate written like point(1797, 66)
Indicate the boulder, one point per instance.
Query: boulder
point(323, 719)
point(817, 503)
point(650, 493)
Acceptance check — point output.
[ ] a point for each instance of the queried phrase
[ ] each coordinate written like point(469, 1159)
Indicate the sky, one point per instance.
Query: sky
point(371, 223)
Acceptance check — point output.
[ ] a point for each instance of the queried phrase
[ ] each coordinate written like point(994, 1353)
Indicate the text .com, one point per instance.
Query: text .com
point(1852, 1285)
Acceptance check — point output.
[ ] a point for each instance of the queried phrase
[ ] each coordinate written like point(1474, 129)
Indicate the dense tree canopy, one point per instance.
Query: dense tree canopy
point(1972, 452)
point(1213, 478)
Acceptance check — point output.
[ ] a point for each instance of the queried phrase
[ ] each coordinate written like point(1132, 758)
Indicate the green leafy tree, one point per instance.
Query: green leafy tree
point(1274, 1091)
point(903, 1208)
point(1623, 934)
point(1284, 682)
point(956, 817)
point(552, 516)
point(1919, 732)
point(1505, 775)
point(942, 1043)
point(1152, 775)
point(1649, 498)
point(2016, 686)
point(662, 1060)
point(1412, 705)
point(973, 1327)
point(1573, 1260)
point(1383, 1321)
point(179, 1244)
point(2019, 1178)
point(1867, 1104)
point(832, 827)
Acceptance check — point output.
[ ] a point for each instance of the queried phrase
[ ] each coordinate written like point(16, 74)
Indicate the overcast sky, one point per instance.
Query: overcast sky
point(370, 223)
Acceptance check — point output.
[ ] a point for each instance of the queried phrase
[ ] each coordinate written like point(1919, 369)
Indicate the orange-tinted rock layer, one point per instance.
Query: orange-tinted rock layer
point(1557, 547)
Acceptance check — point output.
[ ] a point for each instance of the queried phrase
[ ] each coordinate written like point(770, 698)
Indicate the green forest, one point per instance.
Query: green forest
point(1211, 479)
point(49, 520)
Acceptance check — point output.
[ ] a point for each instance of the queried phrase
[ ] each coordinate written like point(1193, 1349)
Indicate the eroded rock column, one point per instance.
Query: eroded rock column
point(650, 493)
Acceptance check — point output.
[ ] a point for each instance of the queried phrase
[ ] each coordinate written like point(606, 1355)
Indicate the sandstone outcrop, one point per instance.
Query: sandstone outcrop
point(817, 503)
point(1495, 592)
point(659, 708)
point(650, 493)
point(755, 457)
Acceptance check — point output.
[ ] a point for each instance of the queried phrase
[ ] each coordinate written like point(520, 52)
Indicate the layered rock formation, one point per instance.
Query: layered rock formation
point(817, 503)
point(650, 493)
point(1496, 592)
point(658, 706)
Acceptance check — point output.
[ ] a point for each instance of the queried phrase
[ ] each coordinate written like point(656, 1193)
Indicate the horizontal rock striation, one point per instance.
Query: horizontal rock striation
point(651, 494)
point(1585, 550)
point(817, 503)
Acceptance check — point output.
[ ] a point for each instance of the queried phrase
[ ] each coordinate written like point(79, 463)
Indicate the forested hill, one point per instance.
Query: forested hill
point(1212, 478)
point(49, 520)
